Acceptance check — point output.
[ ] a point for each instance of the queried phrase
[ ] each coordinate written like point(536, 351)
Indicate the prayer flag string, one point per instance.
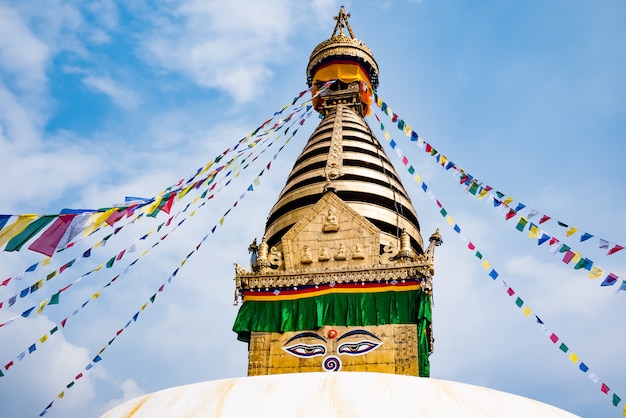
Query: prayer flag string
point(481, 190)
point(152, 298)
point(71, 224)
point(54, 299)
point(495, 276)
point(573, 258)
point(51, 233)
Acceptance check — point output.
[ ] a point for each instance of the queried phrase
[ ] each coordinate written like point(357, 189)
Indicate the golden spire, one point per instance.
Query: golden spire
point(342, 21)
point(341, 47)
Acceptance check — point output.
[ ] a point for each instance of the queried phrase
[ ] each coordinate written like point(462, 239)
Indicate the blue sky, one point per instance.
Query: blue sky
point(100, 100)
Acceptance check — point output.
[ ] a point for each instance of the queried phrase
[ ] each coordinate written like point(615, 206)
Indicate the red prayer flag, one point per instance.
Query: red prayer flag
point(554, 338)
point(510, 291)
point(471, 246)
point(543, 219)
point(615, 249)
point(568, 256)
point(5, 282)
point(604, 388)
point(511, 214)
point(168, 205)
point(49, 240)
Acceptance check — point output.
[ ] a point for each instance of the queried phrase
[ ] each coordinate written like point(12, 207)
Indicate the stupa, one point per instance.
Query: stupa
point(336, 303)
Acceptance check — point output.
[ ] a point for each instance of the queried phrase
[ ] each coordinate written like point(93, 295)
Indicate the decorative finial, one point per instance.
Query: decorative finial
point(342, 21)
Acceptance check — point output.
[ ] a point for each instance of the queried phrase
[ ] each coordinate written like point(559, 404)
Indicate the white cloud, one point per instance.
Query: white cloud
point(123, 97)
point(227, 45)
point(22, 54)
point(130, 390)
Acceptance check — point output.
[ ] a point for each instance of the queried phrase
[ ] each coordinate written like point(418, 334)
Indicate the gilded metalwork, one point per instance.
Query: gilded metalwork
point(318, 276)
point(334, 161)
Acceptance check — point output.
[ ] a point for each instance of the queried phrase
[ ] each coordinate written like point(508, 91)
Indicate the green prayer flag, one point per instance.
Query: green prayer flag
point(563, 348)
point(582, 263)
point(521, 224)
point(110, 262)
point(519, 302)
point(54, 299)
point(16, 243)
point(616, 399)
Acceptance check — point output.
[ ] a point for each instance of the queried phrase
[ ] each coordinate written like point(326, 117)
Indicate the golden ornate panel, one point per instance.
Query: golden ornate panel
point(383, 348)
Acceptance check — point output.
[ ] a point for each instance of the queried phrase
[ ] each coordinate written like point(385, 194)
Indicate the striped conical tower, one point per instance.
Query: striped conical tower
point(341, 279)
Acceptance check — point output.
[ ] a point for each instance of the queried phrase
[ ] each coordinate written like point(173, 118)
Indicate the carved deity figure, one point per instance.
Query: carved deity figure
point(305, 257)
point(275, 257)
point(323, 256)
point(358, 253)
point(341, 253)
point(331, 223)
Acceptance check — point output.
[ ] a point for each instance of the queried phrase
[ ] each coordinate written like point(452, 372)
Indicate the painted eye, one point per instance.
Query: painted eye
point(358, 348)
point(306, 350)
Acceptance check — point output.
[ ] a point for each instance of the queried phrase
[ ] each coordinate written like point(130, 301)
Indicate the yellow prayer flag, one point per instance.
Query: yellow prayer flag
point(507, 201)
point(144, 306)
point(206, 167)
point(97, 219)
point(15, 228)
point(576, 258)
point(98, 244)
point(257, 181)
point(486, 265)
point(407, 130)
point(483, 194)
point(45, 261)
point(387, 136)
point(184, 192)
point(595, 272)
point(151, 207)
point(527, 311)
point(533, 232)
point(193, 212)
point(222, 221)
point(418, 178)
point(182, 263)
point(571, 231)
point(573, 358)
point(99, 267)
point(379, 102)
point(449, 220)
point(42, 305)
point(60, 395)
point(43, 339)
point(96, 295)
point(145, 252)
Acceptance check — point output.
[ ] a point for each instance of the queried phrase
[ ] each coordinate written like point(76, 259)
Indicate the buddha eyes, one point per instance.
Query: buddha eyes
point(357, 348)
point(306, 350)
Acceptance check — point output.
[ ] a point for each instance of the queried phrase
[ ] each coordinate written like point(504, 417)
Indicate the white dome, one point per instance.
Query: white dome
point(349, 394)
